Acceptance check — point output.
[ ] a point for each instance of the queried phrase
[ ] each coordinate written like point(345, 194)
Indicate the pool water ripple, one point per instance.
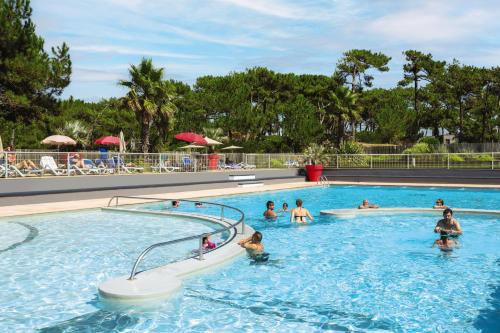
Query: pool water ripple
point(365, 274)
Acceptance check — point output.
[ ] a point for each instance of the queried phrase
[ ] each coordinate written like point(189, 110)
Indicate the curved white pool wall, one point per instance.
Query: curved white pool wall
point(161, 282)
point(355, 211)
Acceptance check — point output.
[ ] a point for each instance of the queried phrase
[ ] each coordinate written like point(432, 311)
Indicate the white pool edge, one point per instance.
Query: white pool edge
point(162, 282)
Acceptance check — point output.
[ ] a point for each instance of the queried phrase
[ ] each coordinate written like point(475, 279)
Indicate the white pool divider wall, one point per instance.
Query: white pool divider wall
point(242, 177)
point(161, 282)
point(355, 211)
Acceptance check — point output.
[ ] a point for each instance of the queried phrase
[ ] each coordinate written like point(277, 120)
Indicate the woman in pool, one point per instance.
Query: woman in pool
point(300, 214)
point(440, 204)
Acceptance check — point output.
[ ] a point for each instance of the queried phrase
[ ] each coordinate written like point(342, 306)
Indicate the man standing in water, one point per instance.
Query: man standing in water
point(448, 224)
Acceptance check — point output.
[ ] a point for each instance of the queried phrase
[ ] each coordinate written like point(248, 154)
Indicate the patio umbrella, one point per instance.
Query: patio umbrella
point(1, 147)
point(122, 143)
point(59, 140)
point(211, 142)
point(108, 141)
point(191, 146)
point(191, 137)
point(231, 148)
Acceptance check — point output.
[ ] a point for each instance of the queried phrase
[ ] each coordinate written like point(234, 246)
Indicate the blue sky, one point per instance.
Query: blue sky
point(194, 38)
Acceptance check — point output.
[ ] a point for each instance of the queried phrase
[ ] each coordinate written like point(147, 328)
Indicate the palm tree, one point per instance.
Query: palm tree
point(76, 130)
point(149, 96)
point(346, 108)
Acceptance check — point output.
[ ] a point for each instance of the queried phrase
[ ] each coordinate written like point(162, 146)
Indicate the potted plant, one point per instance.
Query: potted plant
point(316, 156)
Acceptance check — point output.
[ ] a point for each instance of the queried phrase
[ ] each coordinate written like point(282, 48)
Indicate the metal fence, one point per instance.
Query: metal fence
point(23, 164)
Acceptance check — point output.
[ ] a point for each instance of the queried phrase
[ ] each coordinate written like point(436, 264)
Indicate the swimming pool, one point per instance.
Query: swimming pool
point(352, 274)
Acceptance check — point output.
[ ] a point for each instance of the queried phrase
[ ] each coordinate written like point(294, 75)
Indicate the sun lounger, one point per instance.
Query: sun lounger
point(48, 164)
point(119, 163)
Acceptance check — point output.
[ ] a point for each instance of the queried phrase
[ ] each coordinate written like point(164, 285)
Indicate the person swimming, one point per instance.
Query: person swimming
point(284, 209)
point(448, 224)
point(175, 204)
point(254, 247)
point(207, 244)
point(270, 213)
point(366, 205)
point(444, 242)
point(300, 214)
point(440, 204)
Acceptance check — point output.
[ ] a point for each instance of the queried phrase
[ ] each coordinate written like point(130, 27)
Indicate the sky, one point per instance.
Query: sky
point(215, 37)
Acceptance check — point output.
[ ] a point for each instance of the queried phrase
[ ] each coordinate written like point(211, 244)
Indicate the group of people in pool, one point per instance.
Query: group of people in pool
point(298, 214)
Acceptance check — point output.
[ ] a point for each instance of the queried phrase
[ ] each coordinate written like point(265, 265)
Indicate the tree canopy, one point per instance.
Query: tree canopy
point(259, 109)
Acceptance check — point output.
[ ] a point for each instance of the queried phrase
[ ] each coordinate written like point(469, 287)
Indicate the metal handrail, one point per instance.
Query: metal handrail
point(180, 240)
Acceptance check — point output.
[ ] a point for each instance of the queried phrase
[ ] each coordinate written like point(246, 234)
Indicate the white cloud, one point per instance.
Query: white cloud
point(132, 51)
point(432, 21)
point(287, 10)
point(95, 75)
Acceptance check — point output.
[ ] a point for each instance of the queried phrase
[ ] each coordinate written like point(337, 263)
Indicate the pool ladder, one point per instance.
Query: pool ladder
point(323, 181)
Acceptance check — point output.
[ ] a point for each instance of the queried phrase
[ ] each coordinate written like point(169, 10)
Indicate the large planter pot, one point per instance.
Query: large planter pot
point(314, 172)
point(213, 161)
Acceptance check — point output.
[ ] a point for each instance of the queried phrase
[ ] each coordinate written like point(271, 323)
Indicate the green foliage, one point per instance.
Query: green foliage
point(150, 97)
point(456, 158)
point(276, 163)
point(259, 109)
point(350, 147)
point(316, 154)
point(30, 78)
point(482, 158)
point(430, 140)
point(418, 148)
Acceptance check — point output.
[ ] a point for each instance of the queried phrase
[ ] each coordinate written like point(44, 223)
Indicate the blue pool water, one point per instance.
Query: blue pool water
point(363, 274)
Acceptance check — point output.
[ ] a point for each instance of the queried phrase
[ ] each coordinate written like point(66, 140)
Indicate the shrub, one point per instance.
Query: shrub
point(418, 148)
point(456, 158)
point(350, 147)
point(316, 154)
point(430, 140)
point(482, 158)
point(276, 163)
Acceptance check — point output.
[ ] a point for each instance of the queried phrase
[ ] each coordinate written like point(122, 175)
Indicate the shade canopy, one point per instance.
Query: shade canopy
point(211, 142)
point(108, 141)
point(231, 148)
point(191, 146)
point(59, 140)
point(191, 137)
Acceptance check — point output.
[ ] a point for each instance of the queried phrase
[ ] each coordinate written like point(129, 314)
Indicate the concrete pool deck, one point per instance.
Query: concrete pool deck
point(17, 206)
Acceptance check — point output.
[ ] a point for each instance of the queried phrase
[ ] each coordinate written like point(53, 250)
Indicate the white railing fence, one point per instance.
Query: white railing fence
point(23, 164)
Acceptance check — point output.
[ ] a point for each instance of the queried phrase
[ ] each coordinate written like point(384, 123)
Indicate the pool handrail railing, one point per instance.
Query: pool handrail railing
point(201, 250)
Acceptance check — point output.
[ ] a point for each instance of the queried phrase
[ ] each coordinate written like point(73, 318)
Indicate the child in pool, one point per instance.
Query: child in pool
point(207, 244)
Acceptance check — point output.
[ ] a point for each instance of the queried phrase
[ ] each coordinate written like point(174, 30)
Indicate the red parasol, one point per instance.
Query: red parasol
point(108, 141)
point(191, 137)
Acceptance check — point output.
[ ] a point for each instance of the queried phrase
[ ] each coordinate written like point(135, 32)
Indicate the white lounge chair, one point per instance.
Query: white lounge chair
point(48, 164)
point(163, 167)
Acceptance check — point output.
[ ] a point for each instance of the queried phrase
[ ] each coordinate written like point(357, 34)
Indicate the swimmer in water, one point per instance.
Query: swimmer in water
point(253, 244)
point(175, 204)
point(270, 213)
point(444, 242)
point(284, 209)
point(207, 244)
point(300, 214)
point(448, 224)
point(366, 205)
point(440, 204)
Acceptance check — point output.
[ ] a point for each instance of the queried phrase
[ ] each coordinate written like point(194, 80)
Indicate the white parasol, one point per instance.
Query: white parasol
point(59, 140)
point(123, 146)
